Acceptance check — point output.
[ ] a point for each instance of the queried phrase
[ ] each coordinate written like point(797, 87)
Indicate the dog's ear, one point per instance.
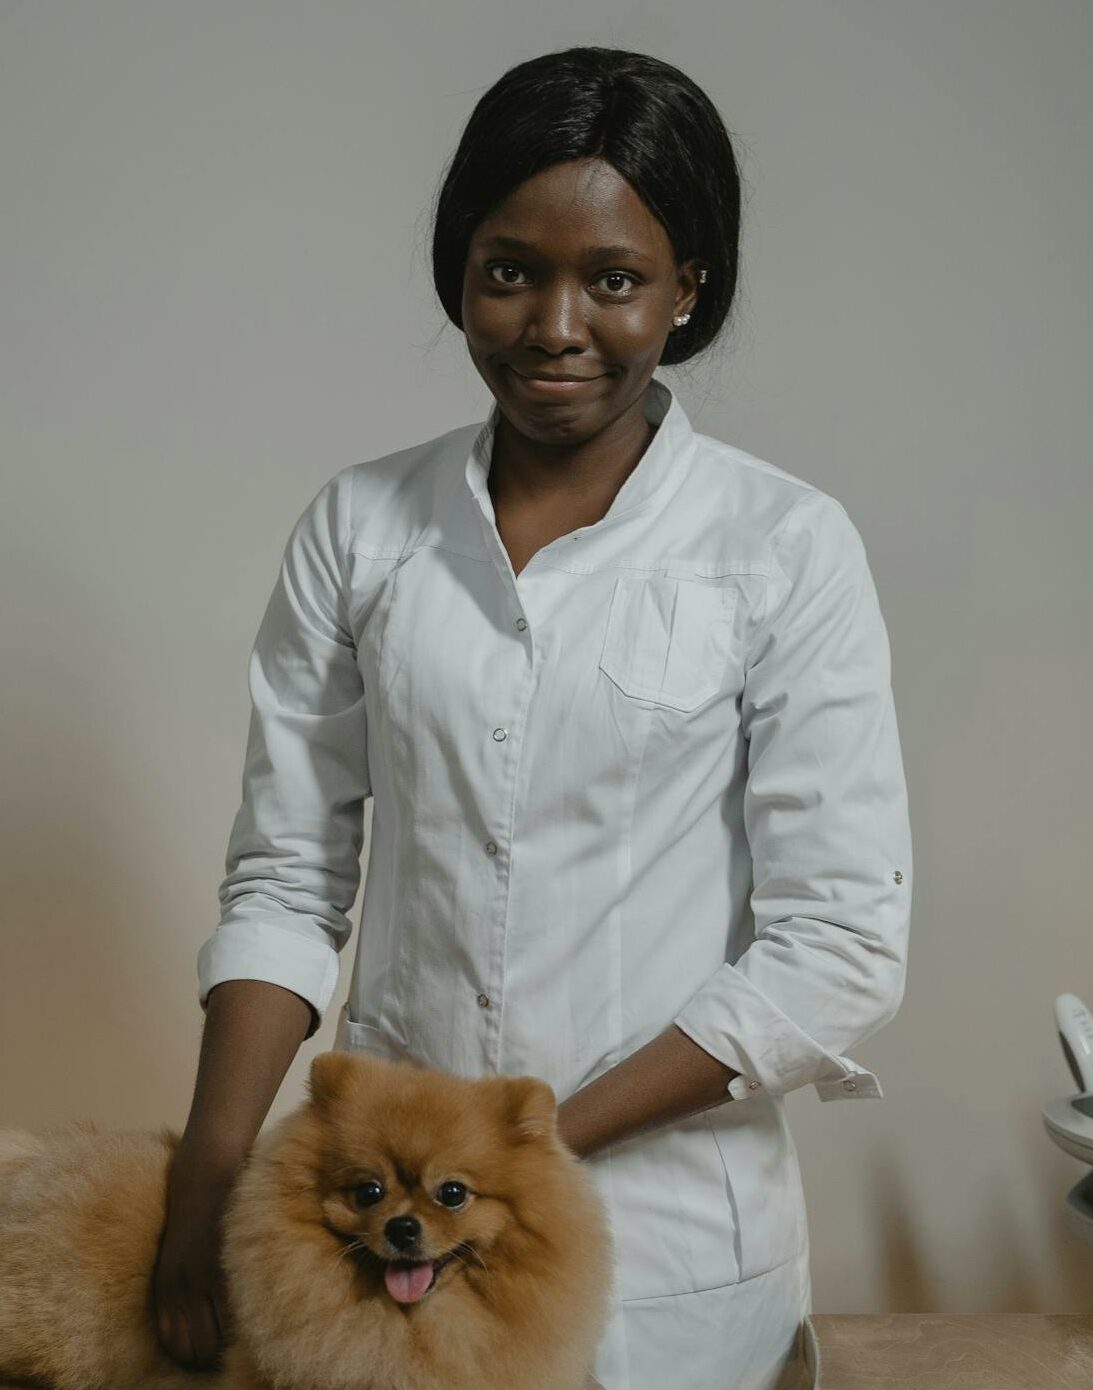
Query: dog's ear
point(328, 1073)
point(532, 1107)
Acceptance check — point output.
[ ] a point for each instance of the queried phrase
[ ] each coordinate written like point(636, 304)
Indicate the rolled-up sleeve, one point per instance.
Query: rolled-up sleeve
point(826, 816)
point(293, 856)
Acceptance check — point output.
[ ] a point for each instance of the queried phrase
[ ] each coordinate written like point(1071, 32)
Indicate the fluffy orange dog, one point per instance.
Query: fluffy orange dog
point(403, 1230)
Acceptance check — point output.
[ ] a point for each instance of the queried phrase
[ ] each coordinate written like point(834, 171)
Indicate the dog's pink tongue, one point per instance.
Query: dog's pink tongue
point(407, 1283)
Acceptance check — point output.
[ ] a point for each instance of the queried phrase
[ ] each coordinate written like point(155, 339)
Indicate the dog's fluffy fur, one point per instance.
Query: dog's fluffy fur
point(520, 1305)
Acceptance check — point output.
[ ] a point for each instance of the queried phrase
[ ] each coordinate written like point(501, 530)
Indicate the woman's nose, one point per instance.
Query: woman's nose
point(557, 319)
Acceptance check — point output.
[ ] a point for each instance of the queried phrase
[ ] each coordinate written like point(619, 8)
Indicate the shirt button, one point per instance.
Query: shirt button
point(850, 1085)
point(483, 1001)
point(521, 624)
point(491, 848)
point(898, 876)
point(752, 1085)
point(500, 735)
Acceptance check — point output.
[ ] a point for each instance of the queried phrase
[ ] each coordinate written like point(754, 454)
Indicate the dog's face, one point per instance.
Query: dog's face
point(430, 1228)
point(424, 1177)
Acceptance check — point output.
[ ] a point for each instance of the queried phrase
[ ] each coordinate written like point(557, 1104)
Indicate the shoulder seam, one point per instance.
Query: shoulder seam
point(775, 541)
point(744, 459)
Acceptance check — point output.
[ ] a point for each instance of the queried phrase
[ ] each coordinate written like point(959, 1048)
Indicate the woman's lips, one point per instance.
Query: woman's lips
point(553, 390)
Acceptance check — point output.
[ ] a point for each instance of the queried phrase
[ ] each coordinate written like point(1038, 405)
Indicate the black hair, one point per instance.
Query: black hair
point(643, 116)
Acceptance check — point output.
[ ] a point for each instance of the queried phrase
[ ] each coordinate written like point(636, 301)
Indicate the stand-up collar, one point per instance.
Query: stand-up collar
point(665, 457)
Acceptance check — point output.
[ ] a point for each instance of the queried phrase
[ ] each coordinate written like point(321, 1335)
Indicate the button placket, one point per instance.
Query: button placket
point(491, 846)
point(499, 736)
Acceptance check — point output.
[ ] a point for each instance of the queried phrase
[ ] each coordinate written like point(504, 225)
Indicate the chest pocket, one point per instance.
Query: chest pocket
point(668, 640)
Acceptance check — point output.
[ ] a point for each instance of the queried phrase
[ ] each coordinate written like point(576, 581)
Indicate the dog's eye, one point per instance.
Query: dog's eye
point(367, 1194)
point(452, 1194)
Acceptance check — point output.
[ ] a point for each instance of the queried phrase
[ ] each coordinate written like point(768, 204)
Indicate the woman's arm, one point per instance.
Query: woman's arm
point(825, 812)
point(292, 868)
point(826, 817)
point(252, 1032)
point(668, 1079)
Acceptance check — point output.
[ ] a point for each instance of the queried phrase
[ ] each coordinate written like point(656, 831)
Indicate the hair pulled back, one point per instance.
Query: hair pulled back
point(647, 119)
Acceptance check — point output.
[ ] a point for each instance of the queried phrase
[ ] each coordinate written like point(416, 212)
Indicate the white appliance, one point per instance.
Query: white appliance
point(1069, 1120)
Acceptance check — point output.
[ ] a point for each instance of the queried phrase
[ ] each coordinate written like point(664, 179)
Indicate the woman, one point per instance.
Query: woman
point(620, 692)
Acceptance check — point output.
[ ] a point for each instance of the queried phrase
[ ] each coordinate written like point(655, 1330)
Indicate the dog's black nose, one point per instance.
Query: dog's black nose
point(402, 1231)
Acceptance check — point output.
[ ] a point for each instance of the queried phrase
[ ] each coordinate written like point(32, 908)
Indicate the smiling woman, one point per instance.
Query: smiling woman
point(565, 338)
point(620, 692)
point(580, 273)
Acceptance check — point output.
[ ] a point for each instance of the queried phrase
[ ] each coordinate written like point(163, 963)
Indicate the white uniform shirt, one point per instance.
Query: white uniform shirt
point(654, 778)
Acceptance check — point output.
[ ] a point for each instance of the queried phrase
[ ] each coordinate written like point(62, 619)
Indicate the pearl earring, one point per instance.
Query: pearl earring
point(681, 319)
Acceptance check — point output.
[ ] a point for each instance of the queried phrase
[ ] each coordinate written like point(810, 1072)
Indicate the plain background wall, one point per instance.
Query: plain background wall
point(215, 293)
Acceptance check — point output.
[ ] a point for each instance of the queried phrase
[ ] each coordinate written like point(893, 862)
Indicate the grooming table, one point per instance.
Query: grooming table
point(930, 1351)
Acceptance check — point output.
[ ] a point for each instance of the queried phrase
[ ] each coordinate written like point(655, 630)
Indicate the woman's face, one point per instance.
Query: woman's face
point(571, 275)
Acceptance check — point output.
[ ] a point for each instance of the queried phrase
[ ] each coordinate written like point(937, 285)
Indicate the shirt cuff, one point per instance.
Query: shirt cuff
point(263, 951)
point(736, 1023)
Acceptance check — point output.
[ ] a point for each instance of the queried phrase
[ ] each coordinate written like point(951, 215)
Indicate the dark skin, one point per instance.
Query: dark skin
point(555, 307)
point(551, 306)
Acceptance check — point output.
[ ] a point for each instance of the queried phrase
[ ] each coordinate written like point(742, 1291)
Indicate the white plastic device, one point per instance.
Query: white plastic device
point(1069, 1119)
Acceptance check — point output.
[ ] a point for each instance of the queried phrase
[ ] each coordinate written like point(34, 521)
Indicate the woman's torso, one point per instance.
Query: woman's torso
point(558, 860)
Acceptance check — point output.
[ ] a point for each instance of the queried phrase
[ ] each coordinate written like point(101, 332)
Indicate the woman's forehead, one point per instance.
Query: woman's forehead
point(567, 206)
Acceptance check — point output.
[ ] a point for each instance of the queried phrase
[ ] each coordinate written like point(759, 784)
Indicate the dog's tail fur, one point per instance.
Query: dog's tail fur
point(16, 1146)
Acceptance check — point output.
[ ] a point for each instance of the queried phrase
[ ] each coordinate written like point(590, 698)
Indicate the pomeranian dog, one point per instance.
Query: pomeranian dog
point(404, 1229)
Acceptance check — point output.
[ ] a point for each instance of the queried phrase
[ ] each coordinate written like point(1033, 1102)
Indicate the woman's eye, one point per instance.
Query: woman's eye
point(452, 1194)
point(503, 265)
point(367, 1194)
point(615, 275)
point(618, 275)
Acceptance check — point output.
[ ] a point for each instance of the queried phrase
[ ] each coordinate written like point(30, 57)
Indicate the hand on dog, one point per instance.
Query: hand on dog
point(189, 1293)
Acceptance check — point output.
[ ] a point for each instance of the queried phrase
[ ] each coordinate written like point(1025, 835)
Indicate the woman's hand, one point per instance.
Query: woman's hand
point(252, 1032)
point(189, 1295)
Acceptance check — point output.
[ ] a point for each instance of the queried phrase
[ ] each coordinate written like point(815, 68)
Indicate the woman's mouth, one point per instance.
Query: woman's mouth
point(553, 390)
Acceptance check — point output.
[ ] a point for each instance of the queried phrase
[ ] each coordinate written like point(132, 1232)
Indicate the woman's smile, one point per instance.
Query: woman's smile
point(560, 390)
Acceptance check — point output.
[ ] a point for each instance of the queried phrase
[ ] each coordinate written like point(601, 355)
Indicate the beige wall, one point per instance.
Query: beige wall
point(214, 294)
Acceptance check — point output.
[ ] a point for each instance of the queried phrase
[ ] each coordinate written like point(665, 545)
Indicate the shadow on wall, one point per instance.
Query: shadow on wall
point(1045, 1271)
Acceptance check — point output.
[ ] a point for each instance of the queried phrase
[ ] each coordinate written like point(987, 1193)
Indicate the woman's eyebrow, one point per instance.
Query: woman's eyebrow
point(591, 253)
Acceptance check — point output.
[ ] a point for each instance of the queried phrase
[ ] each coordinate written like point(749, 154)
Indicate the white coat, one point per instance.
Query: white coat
point(654, 778)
